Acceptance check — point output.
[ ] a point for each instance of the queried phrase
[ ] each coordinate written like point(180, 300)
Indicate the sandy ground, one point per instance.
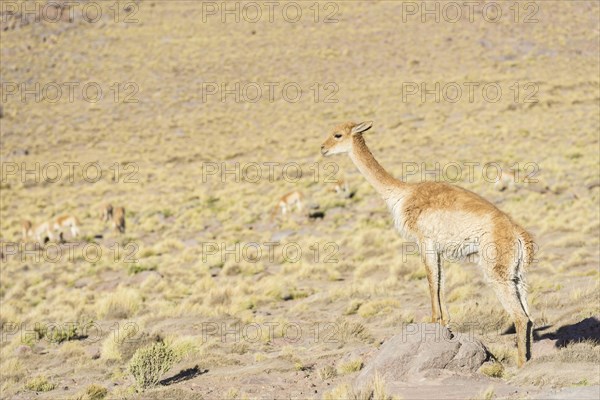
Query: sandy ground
point(169, 124)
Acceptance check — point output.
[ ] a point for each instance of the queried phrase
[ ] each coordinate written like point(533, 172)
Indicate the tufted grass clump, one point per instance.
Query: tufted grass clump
point(94, 392)
point(40, 384)
point(350, 366)
point(494, 370)
point(327, 372)
point(149, 363)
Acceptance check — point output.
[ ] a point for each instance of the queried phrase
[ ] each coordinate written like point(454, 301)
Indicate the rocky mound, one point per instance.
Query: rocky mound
point(423, 347)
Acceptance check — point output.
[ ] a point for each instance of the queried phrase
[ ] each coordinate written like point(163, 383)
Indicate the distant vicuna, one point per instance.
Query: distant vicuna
point(106, 212)
point(114, 215)
point(118, 219)
point(287, 202)
point(340, 187)
point(449, 221)
point(26, 230)
point(39, 233)
point(506, 180)
point(66, 221)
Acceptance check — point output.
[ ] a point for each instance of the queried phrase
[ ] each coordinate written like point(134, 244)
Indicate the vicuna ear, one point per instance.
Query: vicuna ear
point(362, 127)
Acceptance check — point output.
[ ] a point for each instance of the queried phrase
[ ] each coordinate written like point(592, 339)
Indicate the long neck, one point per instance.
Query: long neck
point(375, 174)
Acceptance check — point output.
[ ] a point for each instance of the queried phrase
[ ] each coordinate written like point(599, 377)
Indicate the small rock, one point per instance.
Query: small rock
point(22, 350)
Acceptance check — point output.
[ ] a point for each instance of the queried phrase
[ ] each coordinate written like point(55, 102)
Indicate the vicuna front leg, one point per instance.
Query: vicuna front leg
point(435, 277)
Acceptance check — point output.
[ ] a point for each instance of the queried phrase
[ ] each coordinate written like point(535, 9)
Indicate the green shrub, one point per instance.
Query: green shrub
point(40, 384)
point(494, 370)
point(149, 363)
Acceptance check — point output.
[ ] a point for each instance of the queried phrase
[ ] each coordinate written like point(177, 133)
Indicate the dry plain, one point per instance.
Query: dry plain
point(292, 325)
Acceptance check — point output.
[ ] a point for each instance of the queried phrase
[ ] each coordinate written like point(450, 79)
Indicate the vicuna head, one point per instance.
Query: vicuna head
point(341, 140)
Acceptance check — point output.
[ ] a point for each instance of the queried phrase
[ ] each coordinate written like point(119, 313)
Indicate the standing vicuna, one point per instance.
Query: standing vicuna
point(26, 230)
point(287, 202)
point(106, 212)
point(66, 221)
point(118, 216)
point(447, 220)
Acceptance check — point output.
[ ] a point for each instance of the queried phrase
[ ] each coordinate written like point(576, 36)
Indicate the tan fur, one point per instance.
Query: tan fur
point(449, 221)
point(119, 219)
point(43, 231)
point(340, 187)
point(506, 180)
point(106, 212)
point(66, 221)
point(26, 230)
point(287, 202)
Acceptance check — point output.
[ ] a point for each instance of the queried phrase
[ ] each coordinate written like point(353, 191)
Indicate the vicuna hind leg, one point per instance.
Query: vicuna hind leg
point(512, 295)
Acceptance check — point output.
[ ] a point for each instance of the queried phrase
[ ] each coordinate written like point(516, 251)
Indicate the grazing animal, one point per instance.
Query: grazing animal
point(118, 219)
point(340, 187)
point(66, 221)
point(26, 230)
point(43, 231)
point(106, 212)
point(446, 220)
point(287, 202)
point(506, 180)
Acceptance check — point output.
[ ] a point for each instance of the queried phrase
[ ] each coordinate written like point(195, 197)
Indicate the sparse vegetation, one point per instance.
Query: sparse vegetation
point(150, 363)
point(493, 370)
point(374, 391)
point(586, 351)
point(274, 323)
point(350, 366)
point(40, 384)
point(93, 392)
point(327, 372)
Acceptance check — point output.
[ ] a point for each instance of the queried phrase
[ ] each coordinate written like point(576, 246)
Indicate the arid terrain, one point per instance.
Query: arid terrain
point(197, 124)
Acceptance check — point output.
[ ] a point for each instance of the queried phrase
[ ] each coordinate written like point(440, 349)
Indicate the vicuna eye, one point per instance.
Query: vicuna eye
point(337, 135)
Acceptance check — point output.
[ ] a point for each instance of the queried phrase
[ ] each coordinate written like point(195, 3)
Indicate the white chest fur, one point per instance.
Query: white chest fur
point(396, 205)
